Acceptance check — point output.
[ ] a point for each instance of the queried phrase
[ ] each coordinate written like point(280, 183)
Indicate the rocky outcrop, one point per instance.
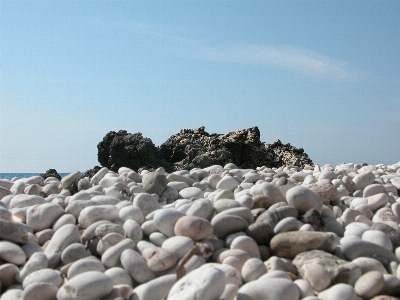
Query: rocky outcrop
point(90, 173)
point(123, 149)
point(197, 148)
point(51, 173)
point(192, 148)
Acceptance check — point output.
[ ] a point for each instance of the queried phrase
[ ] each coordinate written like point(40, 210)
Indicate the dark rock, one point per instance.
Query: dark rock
point(313, 217)
point(123, 149)
point(195, 148)
point(91, 172)
point(51, 173)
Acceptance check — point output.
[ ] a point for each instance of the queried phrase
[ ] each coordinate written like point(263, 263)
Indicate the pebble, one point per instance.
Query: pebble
point(286, 233)
point(369, 284)
point(88, 285)
point(303, 199)
point(338, 291)
point(269, 288)
point(289, 244)
point(12, 253)
point(203, 283)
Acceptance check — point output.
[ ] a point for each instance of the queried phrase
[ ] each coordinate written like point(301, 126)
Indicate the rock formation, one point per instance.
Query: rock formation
point(195, 148)
point(123, 149)
point(51, 173)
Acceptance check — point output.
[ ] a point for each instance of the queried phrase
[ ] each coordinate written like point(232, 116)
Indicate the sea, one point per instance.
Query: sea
point(10, 176)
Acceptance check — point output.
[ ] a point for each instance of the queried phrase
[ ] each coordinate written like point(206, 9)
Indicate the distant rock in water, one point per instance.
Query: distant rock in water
point(51, 173)
point(195, 148)
point(90, 173)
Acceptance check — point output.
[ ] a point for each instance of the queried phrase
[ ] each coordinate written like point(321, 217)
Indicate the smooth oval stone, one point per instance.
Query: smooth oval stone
point(68, 180)
point(305, 288)
point(203, 283)
point(317, 276)
point(108, 241)
point(287, 224)
point(119, 276)
point(289, 244)
point(12, 253)
point(36, 262)
point(154, 289)
point(268, 288)
point(92, 214)
point(369, 285)
point(90, 232)
point(303, 199)
point(178, 186)
point(43, 275)
point(8, 274)
point(193, 227)
point(13, 294)
point(165, 220)
point(177, 177)
point(63, 220)
point(74, 208)
point(356, 228)
point(22, 200)
point(338, 291)
point(178, 245)
point(202, 208)
point(41, 290)
point(252, 269)
point(88, 285)
point(363, 179)
point(247, 244)
point(111, 257)
point(261, 232)
point(146, 202)
point(368, 264)
point(157, 238)
point(131, 213)
point(243, 212)
point(73, 253)
point(227, 183)
point(159, 259)
point(14, 232)
point(63, 237)
point(149, 227)
point(354, 248)
point(377, 201)
point(224, 194)
point(84, 265)
point(40, 217)
point(191, 192)
point(220, 255)
point(235, 262)
point(136, 266)
point(227, 224)
point(224, 204)
point(378, 237)
point(133, 230)
point(374, 189)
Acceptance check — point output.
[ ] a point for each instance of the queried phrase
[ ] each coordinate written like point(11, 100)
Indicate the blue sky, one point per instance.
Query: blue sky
point(321, 75)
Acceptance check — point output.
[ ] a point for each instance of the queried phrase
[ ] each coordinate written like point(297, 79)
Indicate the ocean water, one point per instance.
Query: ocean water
point(23, 175)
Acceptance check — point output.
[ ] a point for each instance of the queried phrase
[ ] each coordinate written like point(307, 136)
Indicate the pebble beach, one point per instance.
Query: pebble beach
point(224, 233)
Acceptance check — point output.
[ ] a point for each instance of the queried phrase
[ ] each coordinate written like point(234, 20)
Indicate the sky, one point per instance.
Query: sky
point(320, 75)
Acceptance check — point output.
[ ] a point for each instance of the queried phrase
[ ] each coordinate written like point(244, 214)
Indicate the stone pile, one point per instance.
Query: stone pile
point(219, 232)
